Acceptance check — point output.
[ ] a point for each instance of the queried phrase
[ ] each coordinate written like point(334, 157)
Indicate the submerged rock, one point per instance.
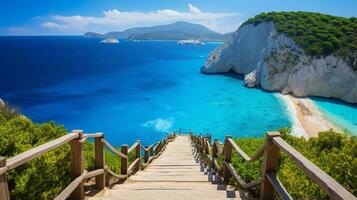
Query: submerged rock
point(276, 63)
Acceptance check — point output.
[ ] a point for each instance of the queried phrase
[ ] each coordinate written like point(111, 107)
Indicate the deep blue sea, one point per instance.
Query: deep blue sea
point(131, 90)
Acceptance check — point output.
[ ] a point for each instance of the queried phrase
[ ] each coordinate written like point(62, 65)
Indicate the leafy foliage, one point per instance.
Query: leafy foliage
point(46, 176)
point(318, 34)
point(334, 153)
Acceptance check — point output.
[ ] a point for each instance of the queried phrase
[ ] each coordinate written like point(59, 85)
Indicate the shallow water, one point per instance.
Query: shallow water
point(132, 90)
point(341, 114)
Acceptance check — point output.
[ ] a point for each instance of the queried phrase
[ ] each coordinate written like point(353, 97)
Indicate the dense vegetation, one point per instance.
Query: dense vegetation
point(46, 176)
point(335, 153)
point(318, 34)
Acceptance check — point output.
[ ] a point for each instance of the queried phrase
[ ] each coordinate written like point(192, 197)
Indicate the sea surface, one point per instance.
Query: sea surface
point(131, 90)
point(343, 115)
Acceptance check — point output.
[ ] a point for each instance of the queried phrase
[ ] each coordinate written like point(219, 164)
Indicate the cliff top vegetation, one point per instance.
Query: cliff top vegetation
point(318, 34)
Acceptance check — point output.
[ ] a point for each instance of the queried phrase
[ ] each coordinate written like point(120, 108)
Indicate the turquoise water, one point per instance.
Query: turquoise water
point(342, 114)
point(133, 90)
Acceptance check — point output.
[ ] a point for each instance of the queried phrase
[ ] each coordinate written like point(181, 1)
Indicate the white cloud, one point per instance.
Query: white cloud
point(115, 19)
point(54, 25)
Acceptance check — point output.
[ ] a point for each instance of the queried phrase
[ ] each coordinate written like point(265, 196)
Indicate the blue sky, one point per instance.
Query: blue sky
point(73, 17)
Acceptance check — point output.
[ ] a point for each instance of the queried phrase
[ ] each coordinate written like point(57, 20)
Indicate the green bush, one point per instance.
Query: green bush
point(335, 153)
point(315, 32)
point(46, 176)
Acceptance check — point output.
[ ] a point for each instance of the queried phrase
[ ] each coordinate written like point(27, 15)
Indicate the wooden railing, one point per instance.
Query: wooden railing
point(76, 138)
point(269, 182)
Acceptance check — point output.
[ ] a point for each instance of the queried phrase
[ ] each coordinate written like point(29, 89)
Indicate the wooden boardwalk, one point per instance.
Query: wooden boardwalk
point(176, 174)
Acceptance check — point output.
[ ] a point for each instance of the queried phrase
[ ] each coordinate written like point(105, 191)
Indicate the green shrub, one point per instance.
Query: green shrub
point(46, 176)
point(335, 153)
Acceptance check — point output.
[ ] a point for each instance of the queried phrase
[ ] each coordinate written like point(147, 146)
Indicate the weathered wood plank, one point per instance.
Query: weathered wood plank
point(138, 155)
point(71, 187)
point(235, 174)
point(94, 173)
point(278, 186)
point(133, 147)
point(227, 158)
point(99, 163)
point(77, 165)
point(119, 176)
point(134, 163)
point(93, 135)
point(270, 164)
point(4, 189)
point(113, 149)
point(124, 161)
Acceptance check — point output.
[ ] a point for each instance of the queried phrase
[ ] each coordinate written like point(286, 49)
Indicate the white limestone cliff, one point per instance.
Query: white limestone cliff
point(275, 62)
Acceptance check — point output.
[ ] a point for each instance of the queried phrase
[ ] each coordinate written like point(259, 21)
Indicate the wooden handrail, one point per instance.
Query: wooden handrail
point(133, 147)
point(114, 150)
point(240, 180)
point(133, 164)
point(76, 139)
point(270, 151)
point(93, 135)
point(278, 186)
point(31, 154)
point(257, 155)
point(326, 182)
point(94, 173)
point(71, 187)
point(119, 176)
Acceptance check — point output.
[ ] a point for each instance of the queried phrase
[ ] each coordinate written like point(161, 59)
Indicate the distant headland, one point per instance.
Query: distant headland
point(174, 31)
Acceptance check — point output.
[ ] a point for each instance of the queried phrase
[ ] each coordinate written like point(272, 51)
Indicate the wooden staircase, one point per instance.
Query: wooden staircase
point(177, 167)
point(176, 174)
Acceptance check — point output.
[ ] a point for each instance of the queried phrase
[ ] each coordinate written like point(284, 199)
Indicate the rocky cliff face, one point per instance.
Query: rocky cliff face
point(274, 62)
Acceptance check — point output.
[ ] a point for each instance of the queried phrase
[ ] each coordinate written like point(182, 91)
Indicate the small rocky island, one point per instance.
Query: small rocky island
point(110, 41)
point(301, 53)
point(190, 42)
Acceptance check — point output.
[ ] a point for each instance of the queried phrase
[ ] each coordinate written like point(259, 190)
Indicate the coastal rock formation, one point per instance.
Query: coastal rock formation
point(274, 62)
point(2, 103)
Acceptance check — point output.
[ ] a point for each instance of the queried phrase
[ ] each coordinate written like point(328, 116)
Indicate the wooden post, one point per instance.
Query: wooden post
point(138, 155)
point(214, 153)
point(200, 144)
point(270, 164)
point(99, 162)
point(4, 189)
point(151, 151)
point(77, 164)
point(209, 143)
point(146, 155)
point(227, 158)
point(124, 161)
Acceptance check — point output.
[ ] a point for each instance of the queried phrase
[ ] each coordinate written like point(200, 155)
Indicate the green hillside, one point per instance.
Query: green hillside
point(318, 34)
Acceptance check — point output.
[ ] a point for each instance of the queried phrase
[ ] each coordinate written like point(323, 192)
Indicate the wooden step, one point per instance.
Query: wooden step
point(175, 174)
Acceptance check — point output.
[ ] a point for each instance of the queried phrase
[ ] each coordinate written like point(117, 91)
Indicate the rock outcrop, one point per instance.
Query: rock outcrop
point(2, 103)
point(274, 62)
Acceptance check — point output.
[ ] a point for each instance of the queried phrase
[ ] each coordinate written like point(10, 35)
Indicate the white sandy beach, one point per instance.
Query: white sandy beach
point(307, 119)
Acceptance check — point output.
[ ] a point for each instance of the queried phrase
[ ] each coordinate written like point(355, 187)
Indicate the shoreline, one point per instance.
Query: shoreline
point(307, 119)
